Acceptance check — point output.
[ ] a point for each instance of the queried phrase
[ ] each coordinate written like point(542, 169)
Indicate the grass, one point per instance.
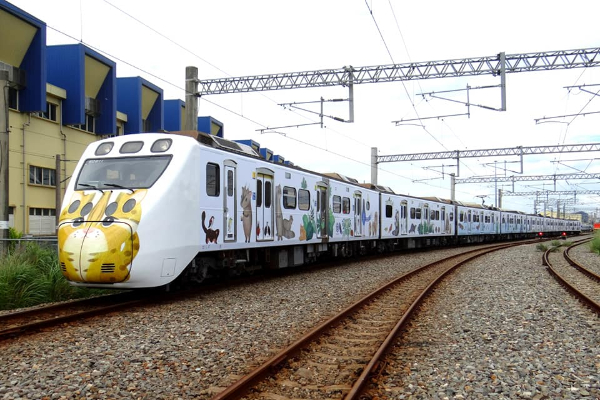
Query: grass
point(595, 244)
point(30, 275)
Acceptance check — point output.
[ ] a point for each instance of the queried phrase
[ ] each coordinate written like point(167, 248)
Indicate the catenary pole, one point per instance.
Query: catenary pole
point(3, 160)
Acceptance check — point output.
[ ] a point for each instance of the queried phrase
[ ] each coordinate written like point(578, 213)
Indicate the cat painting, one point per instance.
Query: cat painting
point(246, 203)
point(103, 232)
point(284, 226)
point(211, 234)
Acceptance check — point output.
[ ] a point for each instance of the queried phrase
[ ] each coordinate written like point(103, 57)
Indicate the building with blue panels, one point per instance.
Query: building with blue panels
point(90, 81)
point(61, 99)
point(142, 101)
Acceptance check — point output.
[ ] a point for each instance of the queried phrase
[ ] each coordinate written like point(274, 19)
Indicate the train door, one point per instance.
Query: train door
point(357, 213)
point(264, 207)
point(426, 219)
point(229, 208)
point(404, 217)
point(469, 221)
point(322, 211)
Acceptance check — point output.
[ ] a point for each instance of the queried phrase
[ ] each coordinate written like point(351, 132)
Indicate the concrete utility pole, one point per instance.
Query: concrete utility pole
point(3, 160)
point(191, 101)
point(374, 165)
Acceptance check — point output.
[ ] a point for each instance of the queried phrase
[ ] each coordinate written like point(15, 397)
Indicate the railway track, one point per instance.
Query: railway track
point(581, 281)
point(336, 358)
point(23, 322)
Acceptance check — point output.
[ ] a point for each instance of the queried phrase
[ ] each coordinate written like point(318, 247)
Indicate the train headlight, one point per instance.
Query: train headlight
point(104, 149)
point(161, 145)
point(131, 147)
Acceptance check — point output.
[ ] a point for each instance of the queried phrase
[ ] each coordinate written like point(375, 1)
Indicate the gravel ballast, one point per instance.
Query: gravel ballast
point(517, 315)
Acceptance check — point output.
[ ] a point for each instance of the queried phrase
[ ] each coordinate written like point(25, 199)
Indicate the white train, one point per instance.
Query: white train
point(142, 210)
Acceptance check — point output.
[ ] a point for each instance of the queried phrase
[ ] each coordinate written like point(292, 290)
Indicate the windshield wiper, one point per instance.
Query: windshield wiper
point(90, 186)
point(118, 186)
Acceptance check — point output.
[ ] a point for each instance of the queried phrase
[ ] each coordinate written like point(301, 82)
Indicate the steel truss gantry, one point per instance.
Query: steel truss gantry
point(552, 193)
point(346, 76)
point(525, 178)
point(508, 151)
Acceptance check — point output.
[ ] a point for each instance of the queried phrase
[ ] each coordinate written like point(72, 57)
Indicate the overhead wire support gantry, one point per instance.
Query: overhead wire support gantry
point(345, 76)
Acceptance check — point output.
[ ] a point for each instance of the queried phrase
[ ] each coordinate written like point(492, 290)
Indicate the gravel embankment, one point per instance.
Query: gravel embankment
point(189, 349)
point(507, 326)
point(585, 257)
point(500, 329)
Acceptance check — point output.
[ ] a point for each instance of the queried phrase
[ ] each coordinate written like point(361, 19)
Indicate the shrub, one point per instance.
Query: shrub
point(30, 275)
point(595, 244)
point(541, 247)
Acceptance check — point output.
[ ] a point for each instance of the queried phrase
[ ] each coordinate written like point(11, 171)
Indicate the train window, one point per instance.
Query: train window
point(461, 216)
point(437, 215)
point(268, 194)
point(451, 216)
point(212, 180)
point(388, 211)
point(346, 205)
point(303, 199)
point(259, 193)
point(368, 205)
point(413, 213)
point(443, 214)
point(418, 213)
point(337, 204)
point(229, 183)
point(432, 217)
point(289, 197)
point(121, 173)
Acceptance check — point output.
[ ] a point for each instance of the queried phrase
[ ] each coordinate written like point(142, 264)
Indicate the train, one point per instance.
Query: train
point(144, 210)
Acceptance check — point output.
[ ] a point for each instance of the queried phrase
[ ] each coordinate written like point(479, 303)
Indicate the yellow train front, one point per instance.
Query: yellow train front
point(117, 227)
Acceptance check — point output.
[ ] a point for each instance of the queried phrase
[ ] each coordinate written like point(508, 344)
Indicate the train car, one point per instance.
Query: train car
point(143, 210)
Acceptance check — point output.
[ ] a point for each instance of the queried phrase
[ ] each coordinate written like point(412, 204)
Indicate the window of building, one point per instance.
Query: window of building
point(42, 176)
point(213, 178)
point(50, 112)
point(346, 205)
point(337, 204)
point(13, 98)
point(303, 199)
point(289, 197)
point(89, 125)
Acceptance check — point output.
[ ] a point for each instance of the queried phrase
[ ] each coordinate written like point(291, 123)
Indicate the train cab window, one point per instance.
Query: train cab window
point(346, 205)
point(212, 179)
point(303, 199)
point(289, 197)
point(388, 211)
point(337, 204)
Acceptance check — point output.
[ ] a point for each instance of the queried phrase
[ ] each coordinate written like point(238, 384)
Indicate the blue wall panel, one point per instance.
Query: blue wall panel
point(66, 69)
point(33, 97)
point(173, 120)
point(129, 101)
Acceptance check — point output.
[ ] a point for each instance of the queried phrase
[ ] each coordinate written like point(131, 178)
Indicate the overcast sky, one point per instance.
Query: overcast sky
point(157, 40)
